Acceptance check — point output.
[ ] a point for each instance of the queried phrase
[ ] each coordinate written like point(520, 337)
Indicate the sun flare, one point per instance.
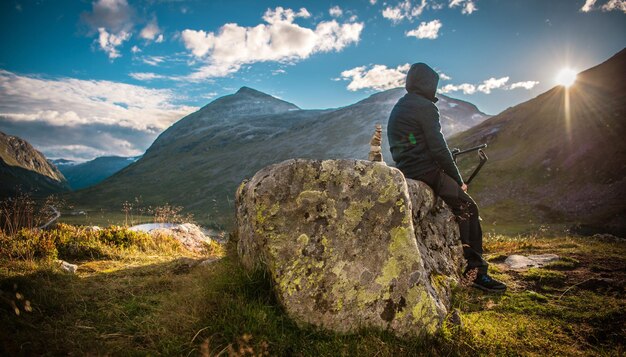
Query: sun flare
point(566, 77)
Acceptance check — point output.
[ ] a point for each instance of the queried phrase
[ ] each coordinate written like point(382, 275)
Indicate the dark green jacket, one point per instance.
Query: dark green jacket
point(414, 131)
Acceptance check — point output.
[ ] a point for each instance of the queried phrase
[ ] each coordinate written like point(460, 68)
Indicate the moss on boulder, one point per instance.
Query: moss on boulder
point(350, 244)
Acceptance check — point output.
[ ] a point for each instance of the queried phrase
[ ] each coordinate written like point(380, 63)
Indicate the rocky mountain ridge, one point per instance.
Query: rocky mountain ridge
point(22, 168)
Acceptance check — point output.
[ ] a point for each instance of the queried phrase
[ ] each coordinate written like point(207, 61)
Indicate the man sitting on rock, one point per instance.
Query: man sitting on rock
point(421, 153)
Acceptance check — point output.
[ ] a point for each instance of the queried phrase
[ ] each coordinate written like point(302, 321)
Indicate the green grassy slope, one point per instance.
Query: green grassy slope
point(551, 164)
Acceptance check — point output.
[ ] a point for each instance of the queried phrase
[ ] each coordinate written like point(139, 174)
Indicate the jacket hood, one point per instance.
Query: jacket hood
point(422, 80)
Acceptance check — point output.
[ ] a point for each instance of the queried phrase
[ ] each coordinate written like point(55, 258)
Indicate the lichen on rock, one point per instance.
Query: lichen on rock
point(350, 244)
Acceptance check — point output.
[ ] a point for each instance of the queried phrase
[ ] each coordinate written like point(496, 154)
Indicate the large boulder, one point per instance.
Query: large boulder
point(350, 244)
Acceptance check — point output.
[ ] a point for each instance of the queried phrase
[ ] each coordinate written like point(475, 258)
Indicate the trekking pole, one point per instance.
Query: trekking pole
point(481, 155)
point(483, 159)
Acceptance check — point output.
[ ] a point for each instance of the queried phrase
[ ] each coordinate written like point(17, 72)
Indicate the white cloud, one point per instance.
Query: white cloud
point(619, 5)
point(113, 21)
point(135, 49)
point(71, 107)
point(429, 30)
point(436, 6)
point(110, 42)
point(335, 11)
point(211, 71)
point(279, 40)
point(153, 60)
point(487, 86)
point(113, 15)
point(404, 10)
point(373, 2)
point(378, 77)
point(526, 85)
point(467, 6)
point(81, 152)
point(465, 87)
point(69, 101)
point(146, 76)
point(159, 39)
point(588, 5)
point(152, 31)
point(284, 15)
point(492, 83)
point(443, 76)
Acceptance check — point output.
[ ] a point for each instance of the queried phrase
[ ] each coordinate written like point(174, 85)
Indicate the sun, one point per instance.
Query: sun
point(566, 77)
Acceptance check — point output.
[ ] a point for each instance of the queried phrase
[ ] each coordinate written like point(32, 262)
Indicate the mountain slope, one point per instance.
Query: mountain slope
point(91, 172)
point(551, 163)
point(26, 169)
point(199, 161)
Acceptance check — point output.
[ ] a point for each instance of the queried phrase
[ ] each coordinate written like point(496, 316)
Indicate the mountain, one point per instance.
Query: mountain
point(26, 169)
point(199, 161)
point(560, 157)
point(82, 175)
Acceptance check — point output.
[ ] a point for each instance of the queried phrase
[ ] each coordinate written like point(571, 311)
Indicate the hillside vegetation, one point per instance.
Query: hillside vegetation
point(558, 157)
point(133, 300)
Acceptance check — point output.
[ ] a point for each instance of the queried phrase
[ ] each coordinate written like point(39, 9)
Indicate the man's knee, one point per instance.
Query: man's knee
point(465, 209)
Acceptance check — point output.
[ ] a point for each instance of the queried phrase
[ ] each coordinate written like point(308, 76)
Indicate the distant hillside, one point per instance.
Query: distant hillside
point(26, 169)
point(548, 163)
point(82, 175)
point(199, 161)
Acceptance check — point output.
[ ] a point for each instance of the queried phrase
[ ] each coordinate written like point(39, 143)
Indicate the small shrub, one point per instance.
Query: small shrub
point(170, 214)
point(121, 237)
point(28, 244)
point(77, 243)
point(22, 211)
point(215, 249)
point(159, 243)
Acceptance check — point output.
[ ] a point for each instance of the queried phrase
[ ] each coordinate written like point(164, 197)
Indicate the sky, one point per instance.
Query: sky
point(81, 79)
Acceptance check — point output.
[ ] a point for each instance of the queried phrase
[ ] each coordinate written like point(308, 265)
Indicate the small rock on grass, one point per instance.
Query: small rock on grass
point(67, 267)
point(517, 261)
point(208, 262)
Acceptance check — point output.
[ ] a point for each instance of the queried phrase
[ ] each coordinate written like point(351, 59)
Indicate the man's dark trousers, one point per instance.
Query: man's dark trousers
point(466, 212)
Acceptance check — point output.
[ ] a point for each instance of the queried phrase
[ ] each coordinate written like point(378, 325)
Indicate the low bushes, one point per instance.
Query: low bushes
point(76, 243)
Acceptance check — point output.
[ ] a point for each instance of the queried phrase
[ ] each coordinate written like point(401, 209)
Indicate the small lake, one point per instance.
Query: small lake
point(147, 227)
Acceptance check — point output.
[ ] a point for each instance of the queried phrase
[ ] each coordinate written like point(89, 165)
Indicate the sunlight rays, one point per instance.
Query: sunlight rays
point(566, 77)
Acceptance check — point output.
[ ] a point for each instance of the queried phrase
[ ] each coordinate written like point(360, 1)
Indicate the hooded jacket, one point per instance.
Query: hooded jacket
point(414, 130)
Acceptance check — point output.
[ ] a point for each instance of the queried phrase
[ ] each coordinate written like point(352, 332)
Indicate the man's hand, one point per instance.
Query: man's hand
point(464, 188)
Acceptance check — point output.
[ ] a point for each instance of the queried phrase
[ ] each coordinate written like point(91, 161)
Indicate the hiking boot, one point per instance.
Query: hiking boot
point(487, 283)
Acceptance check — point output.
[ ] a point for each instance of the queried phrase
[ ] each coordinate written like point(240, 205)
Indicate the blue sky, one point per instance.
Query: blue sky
point(80, 79)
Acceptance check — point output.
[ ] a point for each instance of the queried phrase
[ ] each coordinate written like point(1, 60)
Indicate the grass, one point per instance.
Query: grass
point(104, 218)
point(161, 303)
